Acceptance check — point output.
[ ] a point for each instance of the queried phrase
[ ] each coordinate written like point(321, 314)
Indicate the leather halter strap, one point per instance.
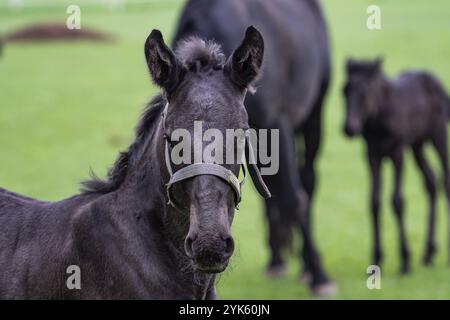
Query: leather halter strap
point(198, 169)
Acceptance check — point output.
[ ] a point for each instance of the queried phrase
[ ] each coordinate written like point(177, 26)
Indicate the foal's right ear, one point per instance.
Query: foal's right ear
point(165, 68)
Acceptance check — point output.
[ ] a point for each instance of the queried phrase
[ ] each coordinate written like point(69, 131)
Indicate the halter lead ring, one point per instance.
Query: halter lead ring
point(198, 169)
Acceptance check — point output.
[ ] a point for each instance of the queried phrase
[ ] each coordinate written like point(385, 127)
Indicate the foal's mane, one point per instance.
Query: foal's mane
point(196, 55)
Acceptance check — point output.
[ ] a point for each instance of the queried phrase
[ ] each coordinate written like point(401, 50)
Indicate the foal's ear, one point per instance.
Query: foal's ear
point(244, 65)
point(165, 68)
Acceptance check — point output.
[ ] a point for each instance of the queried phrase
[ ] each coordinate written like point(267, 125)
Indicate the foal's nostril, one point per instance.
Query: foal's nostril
point(229, 245)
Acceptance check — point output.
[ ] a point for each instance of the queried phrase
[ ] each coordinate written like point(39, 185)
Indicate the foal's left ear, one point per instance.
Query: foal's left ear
point(165, 68)
point(244, 65)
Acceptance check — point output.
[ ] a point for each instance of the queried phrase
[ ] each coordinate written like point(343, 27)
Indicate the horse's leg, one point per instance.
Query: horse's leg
point(440, 142)
point(375, 168)
point(320, 282)
point(281, 207)
point(312, 132)
point(280, 221)
point(276, 266)
point(430, 184)
point(398, 204)
point(292, 201)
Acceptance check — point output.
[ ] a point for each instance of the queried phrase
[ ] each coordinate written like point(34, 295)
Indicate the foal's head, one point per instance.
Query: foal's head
point(201, 85)
point(361, 93)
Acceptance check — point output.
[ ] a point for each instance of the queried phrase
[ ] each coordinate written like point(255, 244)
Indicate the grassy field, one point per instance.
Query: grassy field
point(65, 108)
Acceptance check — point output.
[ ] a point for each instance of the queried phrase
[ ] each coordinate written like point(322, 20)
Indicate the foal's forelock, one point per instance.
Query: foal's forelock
point(196, 53)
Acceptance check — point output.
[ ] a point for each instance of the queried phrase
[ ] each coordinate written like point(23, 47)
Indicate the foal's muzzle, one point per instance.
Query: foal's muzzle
point(210, 254)
point(352, 129)
point(349, 131)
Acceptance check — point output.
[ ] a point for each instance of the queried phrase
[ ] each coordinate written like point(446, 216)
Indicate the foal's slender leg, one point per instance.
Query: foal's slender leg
point(430, 184)
point(440, 142)
point(375, 166)
point(398, 203)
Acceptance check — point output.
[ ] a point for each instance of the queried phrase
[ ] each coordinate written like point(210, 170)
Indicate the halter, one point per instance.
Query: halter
point(198, 169)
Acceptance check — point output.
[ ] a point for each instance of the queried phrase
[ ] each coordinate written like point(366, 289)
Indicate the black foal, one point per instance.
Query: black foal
point(392, 115)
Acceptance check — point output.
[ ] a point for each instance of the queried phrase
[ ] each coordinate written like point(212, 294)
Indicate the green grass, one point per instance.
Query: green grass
point(65, 108)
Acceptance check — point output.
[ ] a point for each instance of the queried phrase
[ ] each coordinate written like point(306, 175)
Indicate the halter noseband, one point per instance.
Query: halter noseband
point(198, 169)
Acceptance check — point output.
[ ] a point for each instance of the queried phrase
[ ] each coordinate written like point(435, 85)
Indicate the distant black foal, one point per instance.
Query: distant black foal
point(392, 115)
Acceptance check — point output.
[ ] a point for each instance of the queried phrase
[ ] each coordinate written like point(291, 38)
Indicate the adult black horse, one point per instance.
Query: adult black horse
point(121, 235)
point(296, 76)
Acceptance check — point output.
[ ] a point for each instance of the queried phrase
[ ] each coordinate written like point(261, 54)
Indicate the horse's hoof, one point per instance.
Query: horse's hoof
point(325, 290)
point(277, 271)
point(306, 277)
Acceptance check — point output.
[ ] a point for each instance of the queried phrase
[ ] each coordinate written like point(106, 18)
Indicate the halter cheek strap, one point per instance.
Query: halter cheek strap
point(198, 169)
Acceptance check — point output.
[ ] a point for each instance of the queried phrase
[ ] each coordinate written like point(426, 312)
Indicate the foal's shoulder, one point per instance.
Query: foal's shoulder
point(92, 212)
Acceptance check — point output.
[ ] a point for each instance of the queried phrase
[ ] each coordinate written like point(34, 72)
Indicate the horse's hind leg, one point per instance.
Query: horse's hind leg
point(279, 208)
point(398, 203)
point(440, 142)
point(292, 202)
point(312, 133)
point(276, 266)
point(430, 184)
point(299, 200)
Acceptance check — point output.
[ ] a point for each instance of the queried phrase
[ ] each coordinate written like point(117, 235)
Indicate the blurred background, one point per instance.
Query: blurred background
point(66, 107)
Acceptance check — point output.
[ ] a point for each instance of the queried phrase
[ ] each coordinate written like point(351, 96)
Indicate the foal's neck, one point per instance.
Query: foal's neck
point(144, 181)
point(145, 184)
point(381, 99)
